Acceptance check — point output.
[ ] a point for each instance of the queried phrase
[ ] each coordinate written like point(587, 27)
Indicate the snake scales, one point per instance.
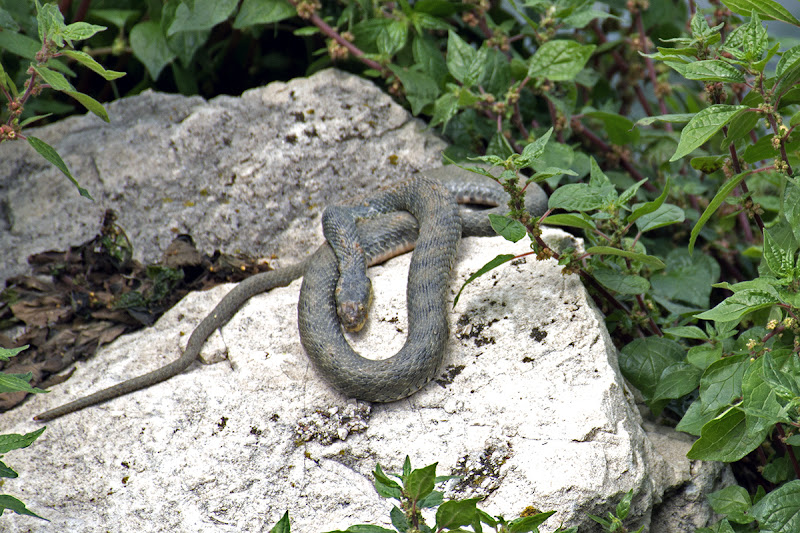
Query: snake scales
point(366, 234)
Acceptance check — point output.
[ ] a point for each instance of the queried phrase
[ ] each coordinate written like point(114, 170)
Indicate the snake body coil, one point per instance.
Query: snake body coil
point(439, 223)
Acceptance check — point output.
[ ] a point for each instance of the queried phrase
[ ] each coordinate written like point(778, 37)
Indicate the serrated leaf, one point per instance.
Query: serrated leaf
point(737, 306)
point(779, 511)
point(704, 125)
point(420, 89)
point(708, 164)
point(653, 261)
point(263, 12)
point(581, 197)
point(766, 9)
point(713, 70)
point(80, 31)
point(559, 60)
point(494, 263)
point(462, 60)
point(47, 151)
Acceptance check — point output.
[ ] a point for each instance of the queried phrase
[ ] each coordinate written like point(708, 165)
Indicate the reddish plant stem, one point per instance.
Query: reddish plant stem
point(651, 70)
point(317, 21)
point(789, 449)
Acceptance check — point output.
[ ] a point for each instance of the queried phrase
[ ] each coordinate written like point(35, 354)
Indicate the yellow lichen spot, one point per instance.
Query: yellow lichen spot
point(203, 192)
point(188, 203)
point(393, 159)
point(167, 200)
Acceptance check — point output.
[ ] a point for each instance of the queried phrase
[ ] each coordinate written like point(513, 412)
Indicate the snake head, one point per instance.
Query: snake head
point(353, 298)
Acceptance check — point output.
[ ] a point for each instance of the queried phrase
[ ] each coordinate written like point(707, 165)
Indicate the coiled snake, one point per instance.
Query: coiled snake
point(385, 230)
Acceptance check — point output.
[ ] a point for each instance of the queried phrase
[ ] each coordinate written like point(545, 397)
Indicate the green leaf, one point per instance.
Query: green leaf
point(50, 23)
point(642, 361)
point(727, 438)
point(721, 382)
point(621, 130)
point(86, 60)
point(529, 523)
point(17, 382)
point(708, 164)
point(420, 482)
point(581, 197)
point(47, 151)
point(766, 9)
point(653, 261)
point(149, 45)
point(19, 44)
point(462, 60)
point(779, 259)
point(533, 151)
point(723, 193)
point(444, 109)
point(779, 511)
point(494, 263)
point(713, 70)
point(13, 504)
point(665, 215)
point(640, 210)
point(454, 513)
point(8, 353)
point(686, 332)
point(695, 418)
point(7, 471)
point(14, 441)
point(54, 79)
point(263, 12)
point(283, 524)
point(421, 90)
point(117, 17)
point(741, 303)
point(89, 103)
point(578, 220)
point(733, 501)
point(704, 125)
point(703, 355)
point(385, 486)
point(677, 118)
point(559, 60)
point(676, 381)
point(508, 228)
point(198, 15)
point(80, 31)
point(621, 283)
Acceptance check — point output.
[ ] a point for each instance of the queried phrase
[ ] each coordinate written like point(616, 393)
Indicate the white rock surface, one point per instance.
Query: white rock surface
point(530, 409)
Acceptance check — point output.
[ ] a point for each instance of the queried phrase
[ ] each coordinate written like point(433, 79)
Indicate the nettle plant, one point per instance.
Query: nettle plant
point(46, 71)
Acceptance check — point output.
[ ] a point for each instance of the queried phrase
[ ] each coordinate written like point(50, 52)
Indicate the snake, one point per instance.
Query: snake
point(420, 213)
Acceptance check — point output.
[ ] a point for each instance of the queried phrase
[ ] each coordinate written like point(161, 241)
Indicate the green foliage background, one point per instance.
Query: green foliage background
point(664, 133)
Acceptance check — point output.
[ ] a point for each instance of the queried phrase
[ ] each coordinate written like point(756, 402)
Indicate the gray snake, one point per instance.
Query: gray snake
point(431, 198)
